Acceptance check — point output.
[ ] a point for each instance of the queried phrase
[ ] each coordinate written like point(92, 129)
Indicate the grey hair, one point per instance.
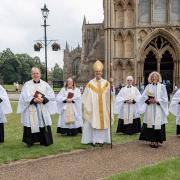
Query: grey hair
point(154, 73)
point(35, 69)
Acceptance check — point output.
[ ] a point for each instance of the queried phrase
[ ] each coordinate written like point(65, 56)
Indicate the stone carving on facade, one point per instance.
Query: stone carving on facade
point(128, 41)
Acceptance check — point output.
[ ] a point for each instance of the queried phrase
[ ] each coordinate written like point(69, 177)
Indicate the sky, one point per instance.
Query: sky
point(21, 22)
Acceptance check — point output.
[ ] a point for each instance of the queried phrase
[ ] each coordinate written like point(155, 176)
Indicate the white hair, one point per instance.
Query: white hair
point(35, 69)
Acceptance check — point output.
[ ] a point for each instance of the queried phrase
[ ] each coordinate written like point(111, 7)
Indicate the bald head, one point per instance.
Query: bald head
point(129, 80)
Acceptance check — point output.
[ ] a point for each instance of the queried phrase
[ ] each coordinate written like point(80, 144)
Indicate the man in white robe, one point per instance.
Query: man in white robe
point(69, 109)
point(154, 105)
point(5, 108)
point(36, 104)
point(126, 106)
point(175, 110)
point(96, 109)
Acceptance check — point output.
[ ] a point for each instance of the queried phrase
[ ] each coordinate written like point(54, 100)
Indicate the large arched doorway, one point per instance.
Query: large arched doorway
point(159, 58)
point(150, 65)
point(166, 49)
point(166, 69)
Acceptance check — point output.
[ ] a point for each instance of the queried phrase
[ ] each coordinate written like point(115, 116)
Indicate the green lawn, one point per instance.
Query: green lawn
point(9, 87)
point(165, 170)
point(13, 148)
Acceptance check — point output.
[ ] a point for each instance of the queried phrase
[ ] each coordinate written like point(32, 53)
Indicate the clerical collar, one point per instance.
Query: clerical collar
point(36, 82)
point(128, 86)
point(155, 84)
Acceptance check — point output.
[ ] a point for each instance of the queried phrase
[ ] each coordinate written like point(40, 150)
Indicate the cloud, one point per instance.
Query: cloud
point(21, 24)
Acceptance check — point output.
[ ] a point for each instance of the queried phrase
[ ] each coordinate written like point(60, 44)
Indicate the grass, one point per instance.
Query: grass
point(11, 88)
point(13, 148)
point(170, 130)
point(165, 170)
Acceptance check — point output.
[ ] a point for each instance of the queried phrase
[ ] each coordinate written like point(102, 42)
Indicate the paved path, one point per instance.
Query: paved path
point(91, 164)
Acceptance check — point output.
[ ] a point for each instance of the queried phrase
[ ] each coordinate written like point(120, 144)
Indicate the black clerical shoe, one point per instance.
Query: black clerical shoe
point(156, 145)
point(151, 145)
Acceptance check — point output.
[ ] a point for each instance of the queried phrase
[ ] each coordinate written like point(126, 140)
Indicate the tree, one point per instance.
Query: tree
point(17, 67)
point(6, 54)
point(10, 69)
point(57, 73)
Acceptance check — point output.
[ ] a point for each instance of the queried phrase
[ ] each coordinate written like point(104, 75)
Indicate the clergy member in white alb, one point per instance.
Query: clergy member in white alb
point(126, 106)
point(154, 105)
point(69, 109)
point(96, 109)
point(5, 108)
point(37, 102)
point(175, 109)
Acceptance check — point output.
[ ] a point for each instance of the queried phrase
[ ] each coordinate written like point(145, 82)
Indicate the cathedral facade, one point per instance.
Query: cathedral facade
point(136, 37)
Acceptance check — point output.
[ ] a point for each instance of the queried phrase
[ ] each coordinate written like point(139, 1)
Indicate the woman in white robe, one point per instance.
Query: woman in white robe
point(37, 102)
point(69, 109)
point(5, 108)
point(126, 106)
point(154, 105)
point(175, 109)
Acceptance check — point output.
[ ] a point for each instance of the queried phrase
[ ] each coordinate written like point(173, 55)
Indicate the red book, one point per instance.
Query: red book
point(38, 94)
point(70, 95)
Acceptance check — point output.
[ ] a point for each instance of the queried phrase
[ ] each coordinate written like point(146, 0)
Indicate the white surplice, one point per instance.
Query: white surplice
point(125, 111)
point(5, 106)
point(76, 117)
point(31, 115)
point(154, 115)
point(175, 106)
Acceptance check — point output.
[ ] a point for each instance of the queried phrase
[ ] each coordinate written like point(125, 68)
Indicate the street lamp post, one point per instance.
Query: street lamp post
point(40, 43)
point(45, 12)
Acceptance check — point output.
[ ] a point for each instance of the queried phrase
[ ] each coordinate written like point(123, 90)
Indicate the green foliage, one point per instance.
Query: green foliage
point(17, 67)
point(10, 70)
point(57, 73)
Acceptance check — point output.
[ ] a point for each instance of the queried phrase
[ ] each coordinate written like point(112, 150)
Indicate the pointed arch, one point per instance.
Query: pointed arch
point(159, 32)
